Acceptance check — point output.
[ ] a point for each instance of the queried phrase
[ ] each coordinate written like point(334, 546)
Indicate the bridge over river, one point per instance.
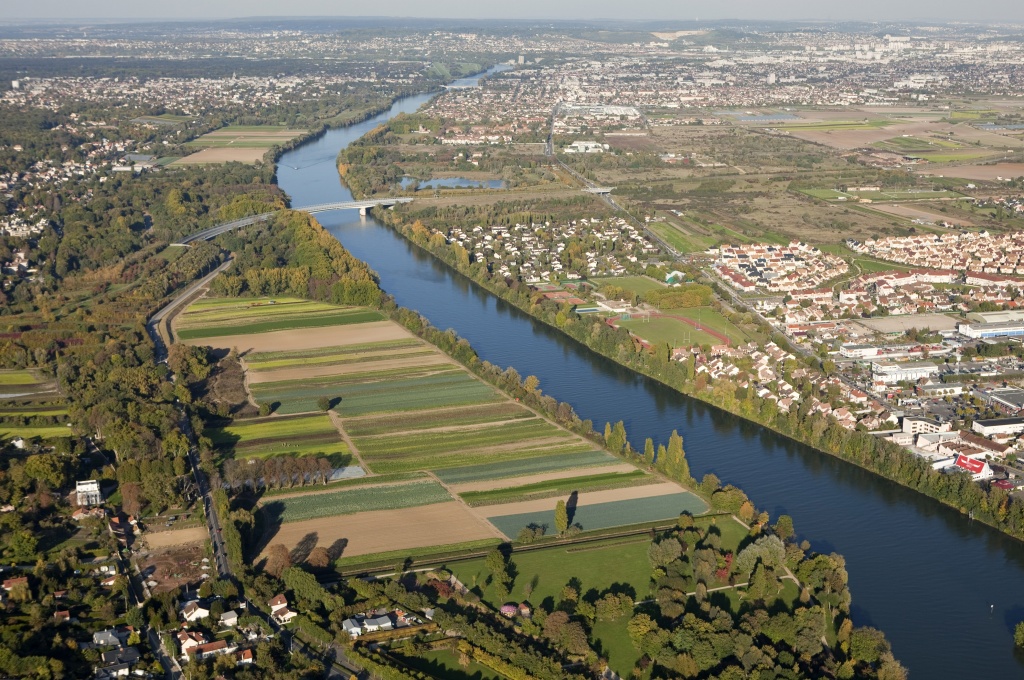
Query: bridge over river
point(362, 206)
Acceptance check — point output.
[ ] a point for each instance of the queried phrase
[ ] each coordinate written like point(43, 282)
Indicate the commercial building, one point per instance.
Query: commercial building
point(997, 426)
point(999, 329)
point(892, 373)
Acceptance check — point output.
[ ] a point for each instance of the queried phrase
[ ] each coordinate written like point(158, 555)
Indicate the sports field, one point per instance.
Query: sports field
point(633, 284)
point(684, 327)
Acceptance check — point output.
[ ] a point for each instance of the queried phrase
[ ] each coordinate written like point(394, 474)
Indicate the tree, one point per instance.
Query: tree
point(784, 527)
point(318, 558)
point(278, 559)
point(323, 403)
point(561, 517)
point(1018, 634)
point(531, 383)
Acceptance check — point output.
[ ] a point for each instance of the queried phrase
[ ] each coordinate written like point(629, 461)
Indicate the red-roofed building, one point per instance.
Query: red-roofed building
point(12, 583)
point(979, 469)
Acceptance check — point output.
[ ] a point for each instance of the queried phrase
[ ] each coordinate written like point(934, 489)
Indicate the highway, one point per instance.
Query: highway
point(168, 310)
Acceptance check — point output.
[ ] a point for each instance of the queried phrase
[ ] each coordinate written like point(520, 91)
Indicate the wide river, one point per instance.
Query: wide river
point(947, 591)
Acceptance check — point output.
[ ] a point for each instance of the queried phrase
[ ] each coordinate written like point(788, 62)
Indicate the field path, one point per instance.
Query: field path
point(459, 500)
point(336, 421)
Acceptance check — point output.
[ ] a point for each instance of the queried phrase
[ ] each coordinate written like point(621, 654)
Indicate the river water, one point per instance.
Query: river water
point(946, 591)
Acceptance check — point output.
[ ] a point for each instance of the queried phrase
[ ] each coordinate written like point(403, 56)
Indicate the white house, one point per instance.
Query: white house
point(193, 611)
point(229, 619)
point(88, 492)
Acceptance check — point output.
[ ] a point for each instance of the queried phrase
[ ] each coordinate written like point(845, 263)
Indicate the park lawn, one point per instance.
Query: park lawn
point(610, 514)
point(661, 331)
point(545, 571)
point(615, 644)
point(525, 466)
point(869, 266)
point(421, 420)
point(350, 501)
point(563, 487)
point(633, 284)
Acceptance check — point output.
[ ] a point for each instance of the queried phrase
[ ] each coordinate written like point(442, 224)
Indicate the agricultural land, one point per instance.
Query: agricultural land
point(423, 454)
point(240, 143)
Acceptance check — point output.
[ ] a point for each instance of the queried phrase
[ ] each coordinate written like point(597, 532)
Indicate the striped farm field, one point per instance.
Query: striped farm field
point(394, 394)
point(424, 420)
point(607, 514)
point(333, 356)
point(351, 501)
point(524, 466)
point(435, 450)
point(556, 487)
point(213, 317)
point(312, 434)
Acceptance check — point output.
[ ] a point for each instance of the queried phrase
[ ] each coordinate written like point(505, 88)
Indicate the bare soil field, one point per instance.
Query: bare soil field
point(224, 154)
point(892, 324)
point(980, 172)
point(165, 539)
point(387, 530)
point(172, 568)
point(586, 498)
point(489, 484)
point(307, 338)
point(916, 213)
point(299, 373)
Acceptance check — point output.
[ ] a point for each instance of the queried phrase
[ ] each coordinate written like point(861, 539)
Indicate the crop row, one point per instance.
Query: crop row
point(462, 458)
point(525, 466)
point(610, 514)
point(339, 359)
point(450, 389)
point(316, 321)
point(372, 376)
point(470, 415)
point(262, 357)
point(235, 311)
point(552, 487)
point(350, 501)
point(454, 440)
point(270, 428)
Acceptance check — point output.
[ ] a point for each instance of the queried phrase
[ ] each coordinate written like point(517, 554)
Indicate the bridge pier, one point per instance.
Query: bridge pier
point(364, 211)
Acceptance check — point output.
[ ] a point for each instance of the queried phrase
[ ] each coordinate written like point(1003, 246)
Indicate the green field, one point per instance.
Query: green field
point(304, 435)
point(246, 136)
point(334, 356)
point(610, 514)
point(444, 663)
point(8, 431)
point(683, 242)
point(351, 501)
point(261, 316)
point(633, 284)
point(435, 450)
point(600, 566)
point(394, 394)
point(553, 487)
point(825, 126)
point(525, 466)
point(677, 333)
point(467, 415)
point(827, 194)
point(10, 378)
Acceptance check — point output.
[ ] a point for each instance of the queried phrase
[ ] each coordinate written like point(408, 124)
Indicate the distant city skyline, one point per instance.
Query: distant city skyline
point(999, 11)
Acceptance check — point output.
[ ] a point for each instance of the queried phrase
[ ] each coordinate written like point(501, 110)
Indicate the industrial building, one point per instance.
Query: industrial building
point(892, 373)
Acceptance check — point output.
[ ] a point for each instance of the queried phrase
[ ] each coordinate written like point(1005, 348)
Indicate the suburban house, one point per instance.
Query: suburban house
point(17, 582)
point(229, 619)
point(107, 638)
point(244, 656)
point(209, 649)
point(279, 602)
point(189, 640)
point(284, 615)
point(193, 611)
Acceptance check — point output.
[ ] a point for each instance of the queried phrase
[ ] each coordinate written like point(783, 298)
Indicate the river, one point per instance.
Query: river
point(947, 591)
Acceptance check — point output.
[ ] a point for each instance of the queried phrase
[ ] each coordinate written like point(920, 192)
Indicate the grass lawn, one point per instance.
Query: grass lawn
point(444, 663)
point(598, 566)
point(660, 331)
point(709, 318)
point(610, 514)
point(18, 378)
point(8, 431)
point(615, 645)
point(684, 243)
point(869, 266)
point(634, 284)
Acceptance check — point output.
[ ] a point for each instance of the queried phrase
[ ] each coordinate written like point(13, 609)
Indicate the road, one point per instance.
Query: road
point(168, 310)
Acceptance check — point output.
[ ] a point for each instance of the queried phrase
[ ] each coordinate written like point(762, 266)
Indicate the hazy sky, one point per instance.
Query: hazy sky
point(863, 10)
